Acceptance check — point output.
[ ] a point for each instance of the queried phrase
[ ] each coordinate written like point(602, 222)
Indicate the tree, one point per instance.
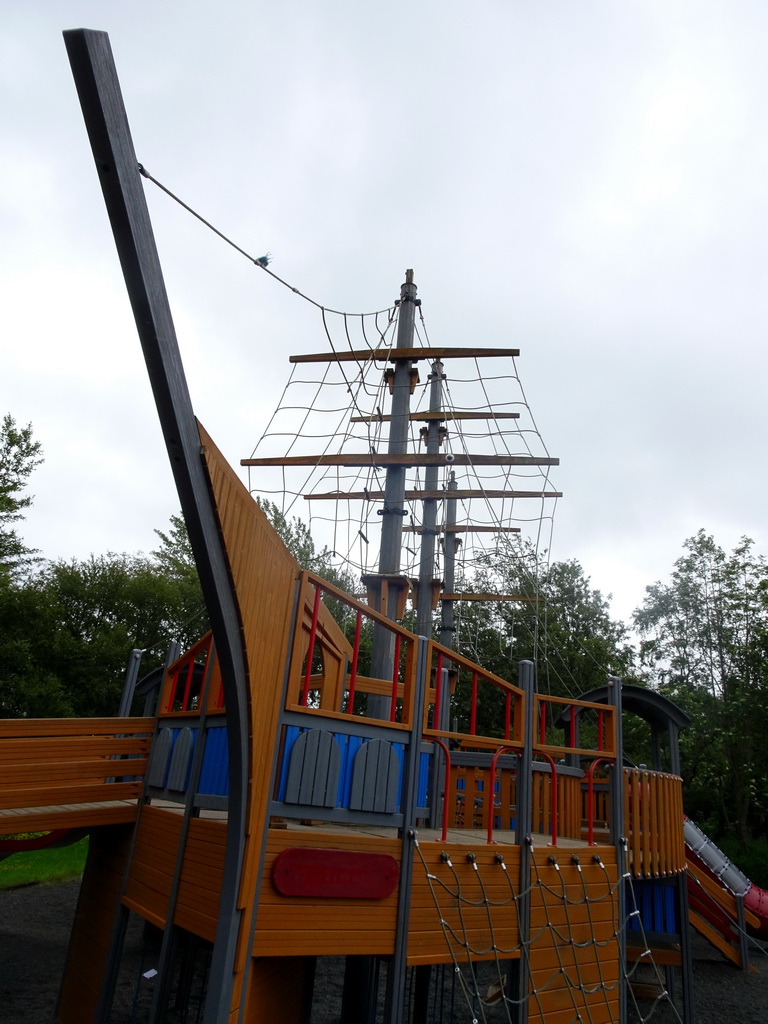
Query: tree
point(67, 631)
point(704, 639)
point(175, 561)
point(561, 623)
point(19, 455)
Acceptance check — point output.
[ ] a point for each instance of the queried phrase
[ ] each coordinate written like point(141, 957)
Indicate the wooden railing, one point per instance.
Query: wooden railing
point(63, 761)
point(470, 690)
point(653, 822)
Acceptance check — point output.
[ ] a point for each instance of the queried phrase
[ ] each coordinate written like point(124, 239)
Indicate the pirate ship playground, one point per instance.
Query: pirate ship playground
point(314, 780)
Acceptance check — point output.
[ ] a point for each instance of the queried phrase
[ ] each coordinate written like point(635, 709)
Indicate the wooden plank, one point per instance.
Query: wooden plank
point(703, 927)
point(420, 495)
point(53, 796)
point(464, 529)
point(50, 749)
point(408, 460)
point(394, 355)
point(444, 415)
point(28, 727)
point(86, 816)
point(486, 597)
point(30, 776)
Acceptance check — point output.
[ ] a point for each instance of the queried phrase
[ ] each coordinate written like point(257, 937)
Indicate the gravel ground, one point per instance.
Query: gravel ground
point(35, 923)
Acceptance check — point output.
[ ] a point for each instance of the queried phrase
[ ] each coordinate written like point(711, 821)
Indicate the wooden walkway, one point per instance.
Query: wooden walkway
point(14, 820)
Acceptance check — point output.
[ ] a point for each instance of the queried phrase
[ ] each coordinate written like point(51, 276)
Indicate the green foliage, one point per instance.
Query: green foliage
point(66, 634)
point(704, 640)
point(296, 536)
point(752, 860)
point(560, 622)
point(19, 455)
point(175, 561)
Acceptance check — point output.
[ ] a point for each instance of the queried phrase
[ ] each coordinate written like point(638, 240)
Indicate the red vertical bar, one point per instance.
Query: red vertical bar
point(507, 713)
point(572, 736)
point(187, 685)
point(353, 673)
point(395, 679)
point(172, 691)
point(311, 651)
point(542, 722)
point(473, 707)
point(438, 691)
point(600, 731)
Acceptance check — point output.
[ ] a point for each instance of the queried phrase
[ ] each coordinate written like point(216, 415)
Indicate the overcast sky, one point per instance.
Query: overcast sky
point(583, 180)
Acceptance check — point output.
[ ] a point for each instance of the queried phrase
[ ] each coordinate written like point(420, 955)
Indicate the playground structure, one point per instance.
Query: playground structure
point(284, 799)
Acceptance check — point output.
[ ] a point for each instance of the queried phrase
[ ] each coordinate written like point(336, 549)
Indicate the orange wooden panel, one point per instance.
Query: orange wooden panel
point(279, 989)
point(34, 727)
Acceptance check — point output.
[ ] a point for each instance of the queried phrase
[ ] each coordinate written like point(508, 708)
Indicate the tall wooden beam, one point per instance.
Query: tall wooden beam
point(101, 100)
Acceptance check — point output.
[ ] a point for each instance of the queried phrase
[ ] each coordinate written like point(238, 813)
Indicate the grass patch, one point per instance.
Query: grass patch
point(51, 865)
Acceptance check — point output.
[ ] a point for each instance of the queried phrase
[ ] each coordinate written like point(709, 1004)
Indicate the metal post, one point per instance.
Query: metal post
point(393, 511)
point(450, 546)
point(394, 1012)
point(129, 685)
point(524, 796)
point(359, 978)
point(616, 797)
point(429, 518)
point(101, 101)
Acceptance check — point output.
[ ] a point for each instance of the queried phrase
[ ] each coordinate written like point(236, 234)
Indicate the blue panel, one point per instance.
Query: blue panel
point(214, 777)
point(424, 762)
point(349, 748)
point(670, 917)
point(657, 906)
point(291, 735)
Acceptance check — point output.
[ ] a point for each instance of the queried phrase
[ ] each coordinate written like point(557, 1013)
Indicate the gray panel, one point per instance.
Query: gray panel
point(375, 778)
point(182, 754)
point(314, 770)
point(158, 764)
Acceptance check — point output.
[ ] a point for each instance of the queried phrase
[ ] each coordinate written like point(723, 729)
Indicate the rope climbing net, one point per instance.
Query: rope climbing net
point(341, 408)
point(555, 945)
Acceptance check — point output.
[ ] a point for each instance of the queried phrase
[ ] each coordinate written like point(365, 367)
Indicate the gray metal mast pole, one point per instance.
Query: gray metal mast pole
point(450, 544)
point(429, 518)
point(393, 511)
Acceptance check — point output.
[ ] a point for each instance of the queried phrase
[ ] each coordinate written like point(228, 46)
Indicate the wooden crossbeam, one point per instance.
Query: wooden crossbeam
point(394, 354)
point(466, 529)
point(488, 597)
point(407, 460)
point(428, 416)
point(421, 495)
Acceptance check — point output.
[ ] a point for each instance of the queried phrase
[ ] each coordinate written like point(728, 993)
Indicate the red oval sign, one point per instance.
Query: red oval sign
point(346, 874)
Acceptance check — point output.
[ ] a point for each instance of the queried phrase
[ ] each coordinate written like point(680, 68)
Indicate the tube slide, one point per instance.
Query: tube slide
point(712, 859)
